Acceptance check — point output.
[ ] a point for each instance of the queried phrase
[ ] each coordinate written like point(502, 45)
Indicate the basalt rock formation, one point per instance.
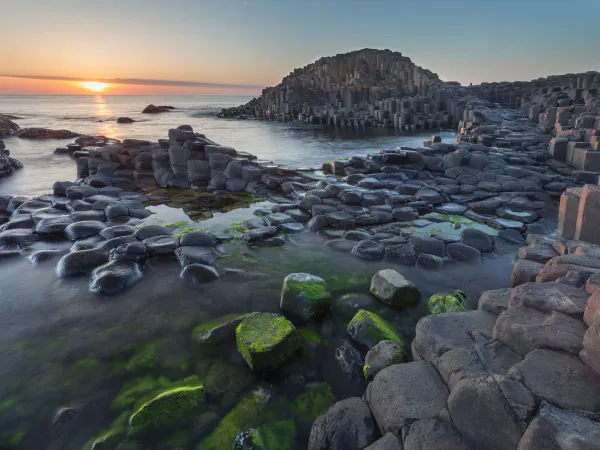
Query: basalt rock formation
point(7, 127)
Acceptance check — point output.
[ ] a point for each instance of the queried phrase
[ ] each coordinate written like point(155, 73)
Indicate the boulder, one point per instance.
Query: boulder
point(161, 245)
point(549, 297)
point(387, 442)
point(448, 302)
point(368, 329)
point(198, 274)
point(151, 109)
point(394, 290)
point(259, 234)
point(84, 229)
point(403, 393)
point(432, 434)
point(477, 239)
point(43, 255)
point(117, 231)
point(495, 302)
point(198, 238)
point(266, 340)
point(125, 120)
point(384, 354)
point(346, 425)
point(196, 255)
point(462, 252)
point(368, 249)
point(114, 277)
point(524, 271)
point(53, 225)
point(81, 262)
point(427, 244)
point(305, 296)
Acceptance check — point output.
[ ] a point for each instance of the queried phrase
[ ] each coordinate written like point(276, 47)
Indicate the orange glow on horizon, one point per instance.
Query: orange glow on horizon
point(94, 86)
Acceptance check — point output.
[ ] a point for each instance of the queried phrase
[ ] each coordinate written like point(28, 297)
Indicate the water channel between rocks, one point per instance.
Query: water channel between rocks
point(64, 346)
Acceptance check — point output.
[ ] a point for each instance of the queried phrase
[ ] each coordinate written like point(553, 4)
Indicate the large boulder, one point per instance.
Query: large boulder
point(115, 276)
point(305, 296)
point(394, 290)
point(346, 425)
point(266, 340)
point(403, 393)
point(369, 329)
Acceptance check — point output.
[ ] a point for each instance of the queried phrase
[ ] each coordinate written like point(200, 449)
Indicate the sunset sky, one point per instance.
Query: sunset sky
point(255, 43)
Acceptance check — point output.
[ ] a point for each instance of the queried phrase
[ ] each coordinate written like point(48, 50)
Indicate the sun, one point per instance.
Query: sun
point(94, 86)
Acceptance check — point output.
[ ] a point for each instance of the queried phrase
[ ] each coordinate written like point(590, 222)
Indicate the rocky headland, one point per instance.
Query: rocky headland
point(520, 372)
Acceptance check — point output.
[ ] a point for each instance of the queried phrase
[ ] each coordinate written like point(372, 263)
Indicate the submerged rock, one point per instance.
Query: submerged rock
point(447, 302)
point(42, 255)
point(369, 329)
point(115, 276)
point(305, 296)
point(199, 274)
point(195, 255)
point(45, 133)
point(218, 330)
point(266, 340)
point(394, 290)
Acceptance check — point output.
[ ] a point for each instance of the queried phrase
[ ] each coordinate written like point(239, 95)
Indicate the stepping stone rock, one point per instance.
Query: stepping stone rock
point(81, 230)
point(117, 231)
point(196, 274)
point(43, 255)
point(495, 302)
point(198, 238)
point(291, 228)
point(259, 234)
point(387, 442)
point(266, 340)
point(350, 361)
point(451, 208)
point(482, 414)
point(555, 429)
point(196, 255)
point(403, 254)
point(462, 252)
point(340, 245)
point(435, 335)
point(19, 237)
point(81, 216)
point(429, 245)
point(19, 221)
point(525, 329)
point(53, 225)
point(383, 355)
point(368, 329)
point(357, 235)
point(369, 249)
point(348, 425)
point(405, 214)
point(478, 239)
point(432, 434)
point(394, 290)
point(540, 253)
point(131, 251)
point(524, 271)
point(549, 297)
point(305, 296)
point(151, 231)
point(161, 245)
point(512, 237)
point(114, 277)
point(561, 379)
point(276, 219)
point(428, 261)
point(403, 393)
point(81, 262)
point(503, 224)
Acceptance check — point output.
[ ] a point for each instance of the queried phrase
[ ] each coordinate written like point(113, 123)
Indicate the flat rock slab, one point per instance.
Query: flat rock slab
point(435, 335)
point(525, 329)
point(495, 302)
point(548, 297)
point(433, 434)
point(403, 393)
point(555, 429)
point(561, 379)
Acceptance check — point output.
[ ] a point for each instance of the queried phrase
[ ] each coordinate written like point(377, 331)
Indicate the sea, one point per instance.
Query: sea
point(294, 145)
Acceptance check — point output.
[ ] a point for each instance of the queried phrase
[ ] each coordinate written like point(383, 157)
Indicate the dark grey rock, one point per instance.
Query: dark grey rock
point(462, 252)
point(495, 302)
point(524, 271)
point(198, 238)
point(81, 216)
point(81, 262)
point(394, 290)
point(18, 236)
point(346, 425)
point(340, 245)
point(43, 255)
point(430, 434)
point(53, 225)
point(117, 231)
point(161, 245)
point(116, 210)
point(549, 297)
point(405, 214)
point(198, 274)
point(384, 354)
point(350, 361)
point(387, 442)
point(429, 245)
point(78, 205)
point(18, 221)
point(478, 239)
point(151, 231)
point(428, 261)
point(349, 304)
point(402, 253)
point(369, 250)
point(86, 228)
point(196, 255)
point(114, 277)
point(132, 251)
point(512, 237)
point(260, 234)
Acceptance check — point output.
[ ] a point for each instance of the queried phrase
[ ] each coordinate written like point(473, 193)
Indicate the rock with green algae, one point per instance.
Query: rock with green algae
point(275, 436)
point(384, 354)
point(217, 330)
point(447, 302)
point(394, 290)
point(256, 408)
point(369, 329)
point(9, 440)
point(171, 408)
point(266, 340)
point(163, 357)
point(349, 304)
point(305, 296)
point(314, 401)
point(227, 381)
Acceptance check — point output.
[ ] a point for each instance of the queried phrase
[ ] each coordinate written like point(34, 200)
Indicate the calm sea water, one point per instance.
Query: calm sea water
point(293, 145)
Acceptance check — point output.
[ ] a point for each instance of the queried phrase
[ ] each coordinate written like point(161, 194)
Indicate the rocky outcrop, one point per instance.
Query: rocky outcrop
point(151, 109)
point(7, 127)
point(7, 164)
point(125, 120)
point(45, 133)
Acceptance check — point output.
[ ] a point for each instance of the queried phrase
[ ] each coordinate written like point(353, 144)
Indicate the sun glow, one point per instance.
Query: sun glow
point(94, 86)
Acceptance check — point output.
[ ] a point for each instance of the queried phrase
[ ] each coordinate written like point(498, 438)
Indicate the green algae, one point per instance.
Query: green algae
point(171, 408)
point(275, 436)
point(310, 336)
point(447, 302)
point(460, 220)
point(266, 340)
point(227, 381)
point(12, 439)
point(309, 405)
point(313, 290)
point(369, 329)
point(216, 330)
point(237, 228)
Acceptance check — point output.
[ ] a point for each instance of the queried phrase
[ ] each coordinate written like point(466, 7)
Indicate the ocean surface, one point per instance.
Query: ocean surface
point(293, 145)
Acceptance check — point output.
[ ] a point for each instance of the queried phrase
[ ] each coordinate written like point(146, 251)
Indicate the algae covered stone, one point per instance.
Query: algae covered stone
point(369, 329)
point(266, 340)
point(305, 296)
point(172, 408)
point(273, 436)
point(314, 401)
point(447, 302)
point(394, 290)
point(384, 354)
point(218, 330)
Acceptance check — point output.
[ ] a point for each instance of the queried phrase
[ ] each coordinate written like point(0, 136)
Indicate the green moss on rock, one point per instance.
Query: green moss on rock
point(274, 436)
point(266, 340)
point(309, 405)
point(369, 329)
point(171, 408)
point(447, 302)
point(218, 330)
point(305, 296)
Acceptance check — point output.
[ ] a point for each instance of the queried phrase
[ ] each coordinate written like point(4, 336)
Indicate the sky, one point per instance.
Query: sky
point(237, 47)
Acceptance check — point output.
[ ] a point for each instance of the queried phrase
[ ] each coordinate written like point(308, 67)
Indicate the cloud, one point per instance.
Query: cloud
point(139, 81)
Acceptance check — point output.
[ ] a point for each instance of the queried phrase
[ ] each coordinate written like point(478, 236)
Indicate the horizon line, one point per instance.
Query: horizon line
point(138, 81)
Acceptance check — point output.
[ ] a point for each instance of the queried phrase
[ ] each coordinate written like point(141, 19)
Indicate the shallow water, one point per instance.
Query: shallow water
point(293, 145)
point(62, 345)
